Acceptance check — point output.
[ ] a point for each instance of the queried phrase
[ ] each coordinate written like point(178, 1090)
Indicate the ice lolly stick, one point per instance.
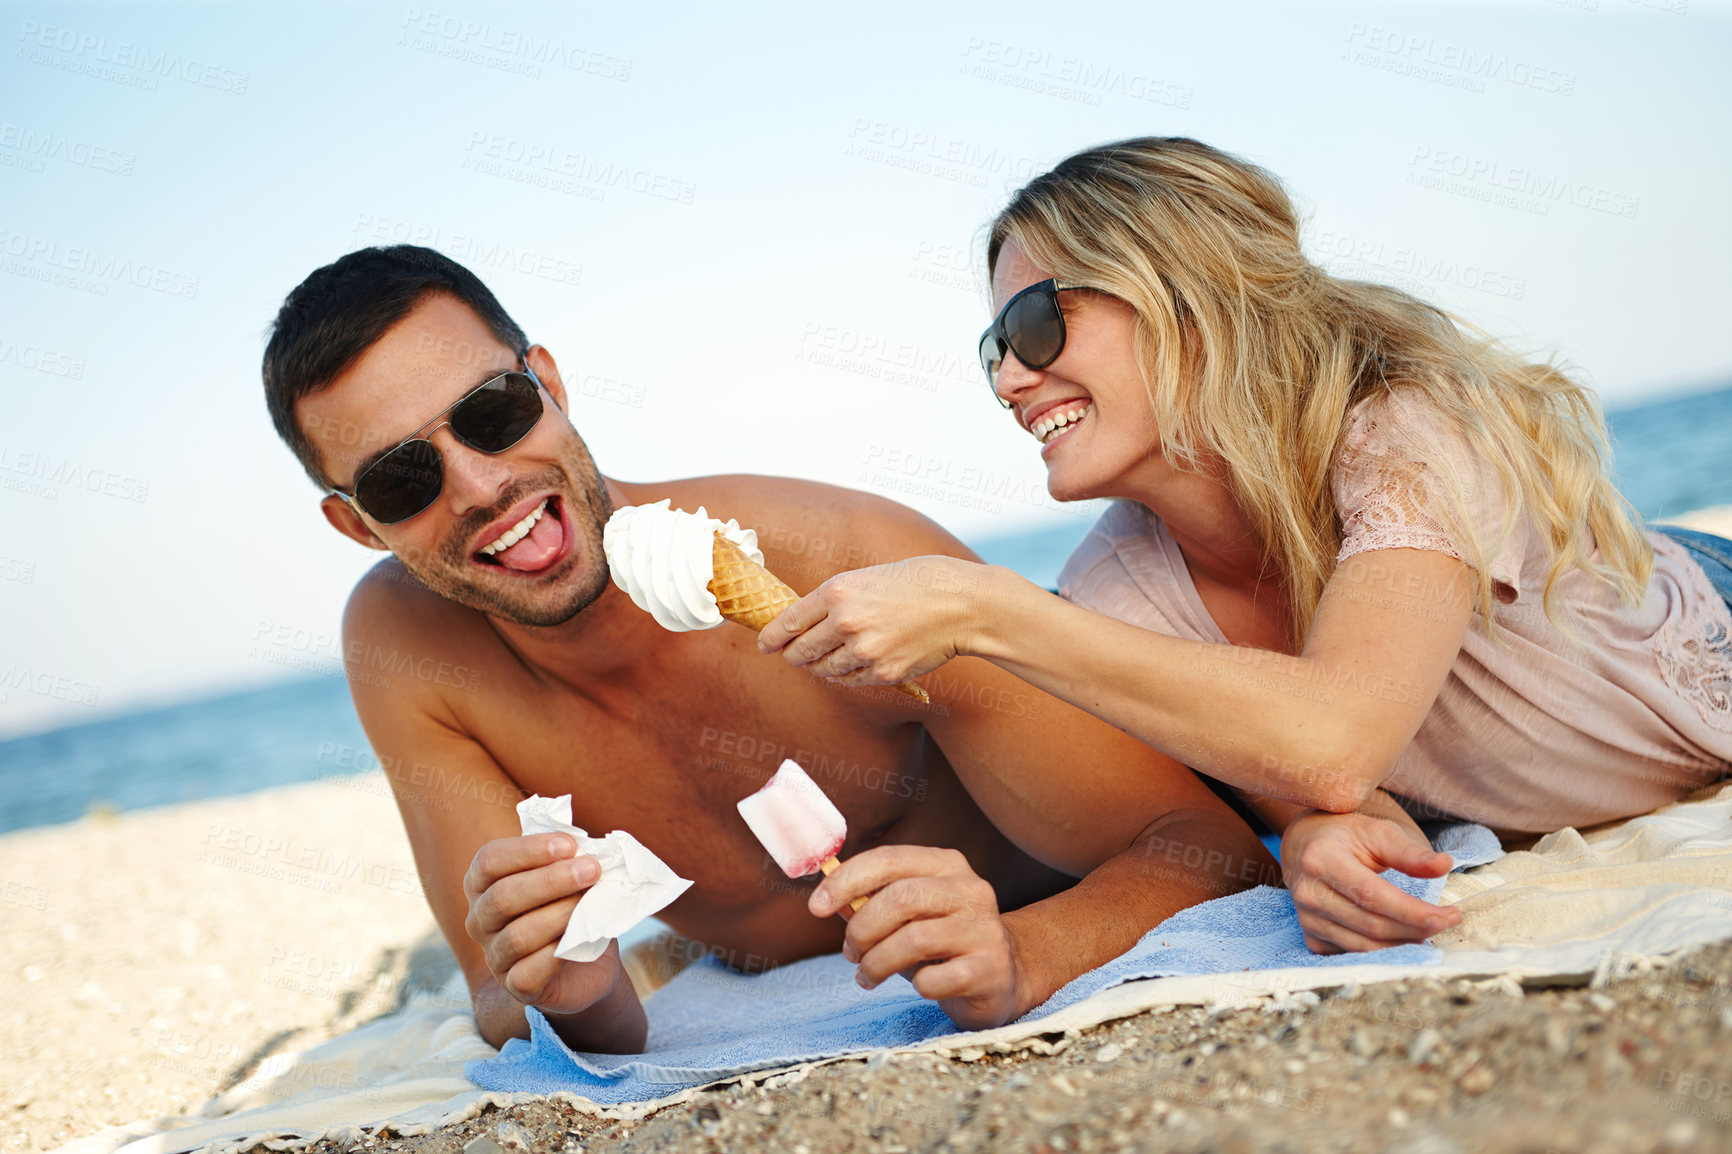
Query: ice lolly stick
point(830, 865)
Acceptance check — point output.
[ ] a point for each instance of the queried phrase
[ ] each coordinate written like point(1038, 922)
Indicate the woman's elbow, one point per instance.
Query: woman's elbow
point(1337, 782)
point(1344, 798)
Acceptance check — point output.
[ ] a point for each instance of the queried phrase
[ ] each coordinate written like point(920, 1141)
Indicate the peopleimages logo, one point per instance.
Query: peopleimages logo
point(45, 471)
point(84, 48)
point(82, 261)
point(893, 469)
point(1528, 189)
point(882, 357)
point(497, 155)
point(520, 45)
point(44, 146)
point(935, 153)
point(1065, 77)
point(470, 249)
point(41, 360)
point(23, 679)
point(1410, 269)
point(1461, 65)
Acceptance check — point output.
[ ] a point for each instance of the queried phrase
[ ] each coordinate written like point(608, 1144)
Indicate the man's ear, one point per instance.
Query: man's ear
point(542, 362)
point(346, 521)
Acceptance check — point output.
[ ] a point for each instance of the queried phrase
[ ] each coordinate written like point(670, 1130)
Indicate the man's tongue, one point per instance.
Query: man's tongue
point(537, 549)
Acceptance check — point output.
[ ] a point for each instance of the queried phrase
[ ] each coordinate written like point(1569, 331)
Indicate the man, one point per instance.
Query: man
point(440, 434)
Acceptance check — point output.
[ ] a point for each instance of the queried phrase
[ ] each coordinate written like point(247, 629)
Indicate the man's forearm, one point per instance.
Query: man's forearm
point(1279, 814)
point(498, 1015)
point(1183, 858)
point(614, 1025)
point(1382, 806)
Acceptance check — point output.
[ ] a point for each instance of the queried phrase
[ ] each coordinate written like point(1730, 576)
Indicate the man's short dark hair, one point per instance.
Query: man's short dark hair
point(338, 312)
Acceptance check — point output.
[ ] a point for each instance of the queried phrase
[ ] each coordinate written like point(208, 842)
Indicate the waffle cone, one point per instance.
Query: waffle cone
point(749, 594)
point(746, 592)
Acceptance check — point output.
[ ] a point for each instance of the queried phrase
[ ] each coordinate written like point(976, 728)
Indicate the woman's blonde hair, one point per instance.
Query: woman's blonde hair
point(1205, 248)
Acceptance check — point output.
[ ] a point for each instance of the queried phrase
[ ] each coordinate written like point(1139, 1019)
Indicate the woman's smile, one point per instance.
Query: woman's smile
point(1060, 426)
point(1055, 416)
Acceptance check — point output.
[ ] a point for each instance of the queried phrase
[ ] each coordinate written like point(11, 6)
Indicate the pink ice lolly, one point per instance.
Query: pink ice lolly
point(795, 821)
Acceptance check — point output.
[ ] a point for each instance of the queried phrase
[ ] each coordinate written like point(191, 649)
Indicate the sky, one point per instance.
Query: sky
point(750, 235)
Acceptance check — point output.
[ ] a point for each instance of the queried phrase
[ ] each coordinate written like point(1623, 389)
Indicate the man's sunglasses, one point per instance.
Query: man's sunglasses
point(1031, 326)
point(490, 418)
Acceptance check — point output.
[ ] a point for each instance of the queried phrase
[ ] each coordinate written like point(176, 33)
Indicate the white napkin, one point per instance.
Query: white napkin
point(634, 882)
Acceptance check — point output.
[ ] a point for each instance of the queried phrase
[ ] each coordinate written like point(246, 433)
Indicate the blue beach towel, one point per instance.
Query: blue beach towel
point(711, 1023)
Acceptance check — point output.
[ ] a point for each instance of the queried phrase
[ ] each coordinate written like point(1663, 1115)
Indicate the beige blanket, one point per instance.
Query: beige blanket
point(1575, 908)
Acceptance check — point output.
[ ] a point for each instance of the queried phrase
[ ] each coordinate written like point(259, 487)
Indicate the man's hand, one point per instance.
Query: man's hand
point(521, 893)
point(933, 920)
point(1331, 864)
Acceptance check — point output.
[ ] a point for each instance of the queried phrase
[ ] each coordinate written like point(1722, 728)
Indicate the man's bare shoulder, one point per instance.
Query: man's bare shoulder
point(393, 622)
point(811, 529)
point(389, 600)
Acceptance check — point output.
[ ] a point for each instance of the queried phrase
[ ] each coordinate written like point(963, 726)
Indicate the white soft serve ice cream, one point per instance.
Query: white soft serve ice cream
point(662, 558)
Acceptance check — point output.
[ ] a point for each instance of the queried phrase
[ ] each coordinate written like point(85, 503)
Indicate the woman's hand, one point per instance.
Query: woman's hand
point(1331, 864)
point(933, 920)
point(882, 625)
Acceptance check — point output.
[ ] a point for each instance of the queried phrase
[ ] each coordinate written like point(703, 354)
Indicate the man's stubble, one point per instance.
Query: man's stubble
point(551, 599)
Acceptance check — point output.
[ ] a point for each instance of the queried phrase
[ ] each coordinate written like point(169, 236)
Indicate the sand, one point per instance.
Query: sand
point(152, 959)
point(1420, 1067)
point(1717, 520)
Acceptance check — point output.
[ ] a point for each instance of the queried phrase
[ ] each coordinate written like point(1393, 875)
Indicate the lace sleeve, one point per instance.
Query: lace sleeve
point(1389, 498)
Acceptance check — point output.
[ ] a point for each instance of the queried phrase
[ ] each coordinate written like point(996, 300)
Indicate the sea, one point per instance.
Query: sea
point(1670, 456)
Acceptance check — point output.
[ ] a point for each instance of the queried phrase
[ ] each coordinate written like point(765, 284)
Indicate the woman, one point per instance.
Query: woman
point(1356, 546)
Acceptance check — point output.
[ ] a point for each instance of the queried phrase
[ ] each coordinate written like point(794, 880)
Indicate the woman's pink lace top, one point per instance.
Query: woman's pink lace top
point(1534, 731)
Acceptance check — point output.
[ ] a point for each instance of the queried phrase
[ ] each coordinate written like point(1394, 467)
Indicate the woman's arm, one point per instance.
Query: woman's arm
point(1281, 814)
point(1322, 729)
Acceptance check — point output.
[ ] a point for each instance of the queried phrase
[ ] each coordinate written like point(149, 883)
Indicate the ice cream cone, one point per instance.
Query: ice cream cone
point(745, 591)
point(749, 594)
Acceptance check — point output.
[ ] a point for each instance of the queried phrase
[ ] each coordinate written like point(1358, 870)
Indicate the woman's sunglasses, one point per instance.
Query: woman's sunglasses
point(1031, 326)
point(407, 478)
